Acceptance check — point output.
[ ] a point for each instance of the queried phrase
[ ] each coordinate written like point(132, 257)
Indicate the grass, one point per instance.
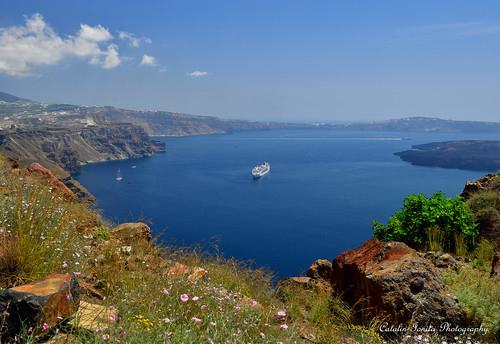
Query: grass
point(479, 295)
point(41, 233)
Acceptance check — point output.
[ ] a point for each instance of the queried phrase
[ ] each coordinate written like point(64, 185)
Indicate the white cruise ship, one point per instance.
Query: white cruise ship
point(261, 170)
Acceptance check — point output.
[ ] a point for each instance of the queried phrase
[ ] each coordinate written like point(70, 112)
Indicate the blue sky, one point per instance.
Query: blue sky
point(263, 60)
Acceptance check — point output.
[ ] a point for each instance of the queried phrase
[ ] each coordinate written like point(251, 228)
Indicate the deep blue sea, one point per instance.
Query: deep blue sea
point(323, 191)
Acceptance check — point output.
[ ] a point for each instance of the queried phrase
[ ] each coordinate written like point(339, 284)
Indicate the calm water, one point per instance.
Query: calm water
point(323, 191)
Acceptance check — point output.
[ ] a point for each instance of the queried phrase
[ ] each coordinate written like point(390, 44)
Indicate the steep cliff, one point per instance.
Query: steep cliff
point(69, 147)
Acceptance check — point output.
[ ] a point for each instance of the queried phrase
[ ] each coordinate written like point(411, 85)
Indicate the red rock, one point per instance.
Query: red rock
point(495, 265)
point(131, 232)
point(38, 172)
point(391, 281)
point(45, 301)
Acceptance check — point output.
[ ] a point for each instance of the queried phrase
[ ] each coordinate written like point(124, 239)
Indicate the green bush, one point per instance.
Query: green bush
point(422, 215)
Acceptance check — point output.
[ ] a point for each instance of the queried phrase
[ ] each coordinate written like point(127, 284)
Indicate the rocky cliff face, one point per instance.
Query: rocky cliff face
point(69, 148)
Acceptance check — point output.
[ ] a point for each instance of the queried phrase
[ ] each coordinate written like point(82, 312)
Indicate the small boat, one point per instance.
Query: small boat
point(119, 175)
point(261, 170)
point(134, 166)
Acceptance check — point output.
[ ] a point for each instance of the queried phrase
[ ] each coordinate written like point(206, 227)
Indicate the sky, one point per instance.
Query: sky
point(328, 61)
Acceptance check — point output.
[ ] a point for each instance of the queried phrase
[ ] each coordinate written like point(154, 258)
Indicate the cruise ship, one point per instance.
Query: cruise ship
point(261, 170)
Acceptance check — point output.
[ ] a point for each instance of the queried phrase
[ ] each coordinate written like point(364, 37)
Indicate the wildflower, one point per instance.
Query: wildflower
point(112, 317)
point(195, 298)
point(105, 336)
point(166, 320)
point(184, 298)
point(262, 335)
point(254, 303)
point(203, 307)
point(237, 307)
point(45, 326)
point(196, 320)
point(284, 326)
point(282, 313)
point(30, 330)
point(165, 291)
point(64, 265)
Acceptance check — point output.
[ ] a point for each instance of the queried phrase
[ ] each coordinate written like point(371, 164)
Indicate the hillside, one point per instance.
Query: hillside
point(424, 124)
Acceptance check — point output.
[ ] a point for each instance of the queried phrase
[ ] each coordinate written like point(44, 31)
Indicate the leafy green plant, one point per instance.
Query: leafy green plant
point(420, 214)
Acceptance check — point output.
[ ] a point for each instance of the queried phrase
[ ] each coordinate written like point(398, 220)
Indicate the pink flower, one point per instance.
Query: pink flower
point(254, 303)
point(282, 313)
point(262, 335)
point(196, 320)
point(45, 326)
point(237, 307)
point(165, 291)
point(195, 298)
point(30, 330)
point(105, 336)
point(166, 320)
point(112, 317)
point(203, 307)
point(284, 326)
point(184, 298)
point(65, 265)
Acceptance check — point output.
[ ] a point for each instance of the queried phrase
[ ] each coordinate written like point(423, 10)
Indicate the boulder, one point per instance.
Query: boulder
point(38, 172)
point(495, 265)
point(442, 260)
point(41, 304)
point(131, 232)
point(320, 269)
point(194, 274)
point(392, 282)
point(93, 318)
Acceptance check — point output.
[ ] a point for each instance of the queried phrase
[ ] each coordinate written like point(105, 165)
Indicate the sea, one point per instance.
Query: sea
point(320, 198)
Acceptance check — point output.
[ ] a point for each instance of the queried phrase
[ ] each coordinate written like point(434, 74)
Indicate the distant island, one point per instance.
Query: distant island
point(476, 155)
point(63, 136)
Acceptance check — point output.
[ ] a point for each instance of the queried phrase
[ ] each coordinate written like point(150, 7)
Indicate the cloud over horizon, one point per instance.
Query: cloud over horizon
point(35, 44)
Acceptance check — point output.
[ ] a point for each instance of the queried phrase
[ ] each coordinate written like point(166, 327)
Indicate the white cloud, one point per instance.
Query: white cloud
point(96, 34)
point(36, 44)
point(148, 60)
point(197, 74)
point(132, 39)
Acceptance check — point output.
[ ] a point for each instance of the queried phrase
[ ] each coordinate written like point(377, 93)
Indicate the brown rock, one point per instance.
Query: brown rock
point(92, 317)
point(179, 269)
point(38, 172)
point(197, 274)
point(474, 186)
point(64, 338)
point(320, 269)
point(495, 265)
point(131, 232)
point(391, 281)
point(45, 301)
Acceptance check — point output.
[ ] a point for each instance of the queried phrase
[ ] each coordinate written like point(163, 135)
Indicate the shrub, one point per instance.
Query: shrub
point(485, 206)
point(423, 215)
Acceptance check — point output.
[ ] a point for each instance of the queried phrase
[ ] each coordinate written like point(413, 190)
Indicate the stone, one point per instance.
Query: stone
point(179, 269)
point(131, 232)
point(46, 301)
point(37, 172)
point(392, 282)
point(197, 274)
point(64, 338)
point(92, 317)
point(320, 269)
point(442, 260)
point(495, 265)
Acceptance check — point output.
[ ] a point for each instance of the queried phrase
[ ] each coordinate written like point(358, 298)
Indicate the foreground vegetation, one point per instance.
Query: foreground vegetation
point(41, 232)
